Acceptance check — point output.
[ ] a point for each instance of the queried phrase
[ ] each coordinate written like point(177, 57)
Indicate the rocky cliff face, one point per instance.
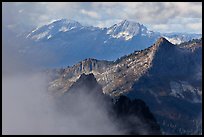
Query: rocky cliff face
point(113, 76)
point(118, 77)
point(172, 87)
point(130, 117)
point(166, 76)
point(134, 117)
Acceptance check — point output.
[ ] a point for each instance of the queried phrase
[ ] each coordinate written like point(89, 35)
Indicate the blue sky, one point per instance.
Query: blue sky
point(157, 16)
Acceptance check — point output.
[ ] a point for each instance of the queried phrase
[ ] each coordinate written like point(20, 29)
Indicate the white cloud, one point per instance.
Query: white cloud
point(107, 23)
point(107, 13)
point(90, 13)
point(197, 27)
point(187, 27)
point(20, 11)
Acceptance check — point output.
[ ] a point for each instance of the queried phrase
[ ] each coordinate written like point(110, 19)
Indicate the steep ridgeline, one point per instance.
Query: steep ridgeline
point(86, 100)
point(167, 77)
point(64, 78)
point(118, 77)
point(172, 87)
point(115, 77)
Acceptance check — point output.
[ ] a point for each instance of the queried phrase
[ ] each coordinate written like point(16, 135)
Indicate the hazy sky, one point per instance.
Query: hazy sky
point(157, 16)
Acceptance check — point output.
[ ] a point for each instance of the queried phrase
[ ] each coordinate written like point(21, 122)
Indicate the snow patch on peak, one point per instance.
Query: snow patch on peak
point(33, 31)
point(127, 30)
point(174, 40)
point(48, 37)
point(64, 21)
point(53, 28)
point(63, 29)
point(50, 27)
point(124, 34)
point(40, 36)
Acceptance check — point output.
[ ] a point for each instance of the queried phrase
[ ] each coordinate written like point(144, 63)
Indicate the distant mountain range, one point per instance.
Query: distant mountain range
point(165, 76)
point(67, 41)
point(124, 30)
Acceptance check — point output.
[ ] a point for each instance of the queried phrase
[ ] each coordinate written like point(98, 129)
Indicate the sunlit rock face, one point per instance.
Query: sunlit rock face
point(166, 76)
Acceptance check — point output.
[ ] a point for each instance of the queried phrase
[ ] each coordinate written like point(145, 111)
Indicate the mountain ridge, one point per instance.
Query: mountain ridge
point(103, 68)
point(125, 29)
point(160, 74)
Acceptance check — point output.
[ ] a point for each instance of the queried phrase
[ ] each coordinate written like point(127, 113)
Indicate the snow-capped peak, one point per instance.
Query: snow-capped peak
point(53, 28)
point(66, 24)
point(127, 29)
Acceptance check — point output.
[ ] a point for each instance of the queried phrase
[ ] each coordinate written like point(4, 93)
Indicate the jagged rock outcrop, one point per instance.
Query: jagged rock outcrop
point(130, 117)
point(115, 77)
point(118, 77)
point(134, 117)
point(172, 88)
point(84, 89)
point(167, 77)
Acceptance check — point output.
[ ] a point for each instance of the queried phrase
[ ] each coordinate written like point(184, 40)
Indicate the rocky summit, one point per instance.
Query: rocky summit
point(166, 76)
point(131, 117)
